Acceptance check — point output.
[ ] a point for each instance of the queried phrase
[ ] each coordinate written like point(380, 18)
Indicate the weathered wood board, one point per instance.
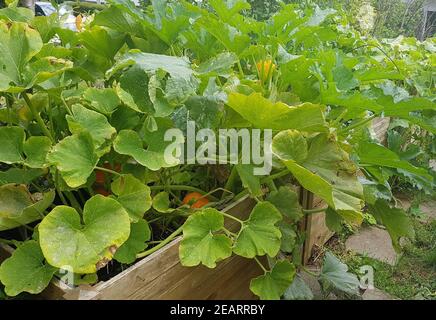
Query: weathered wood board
point(317, 232)
point(380, 127)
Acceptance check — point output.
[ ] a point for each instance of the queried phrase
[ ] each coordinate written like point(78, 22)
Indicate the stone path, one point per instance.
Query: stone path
point(377, 294)
point(428, 207)
point(373, 242)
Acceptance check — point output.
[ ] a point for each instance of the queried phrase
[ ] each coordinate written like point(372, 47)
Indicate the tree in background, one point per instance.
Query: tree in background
point(396, 17)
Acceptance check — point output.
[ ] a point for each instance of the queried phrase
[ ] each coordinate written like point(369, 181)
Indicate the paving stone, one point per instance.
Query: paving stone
point(429, 208)
point(376, 294)
point(373, 242)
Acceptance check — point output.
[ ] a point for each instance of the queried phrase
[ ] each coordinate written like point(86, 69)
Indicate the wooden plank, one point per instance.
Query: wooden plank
point(380, 127)
point(317, 232)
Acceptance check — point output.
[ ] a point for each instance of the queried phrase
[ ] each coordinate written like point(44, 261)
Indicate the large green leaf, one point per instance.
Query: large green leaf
point(19, 176)
point(88, 246)
point(176, 67)
point(119, 20)
point(377, 155)
point(95, 123)
point(202, 242)
point(161, 202)
point(75, 158)
point(36, 150)
point(18, 44)
point(273, 284)
point(289, 237)
point(335, 277)
point(133, 195)
point(358, 102)
point(329, 173)
point(205, 111)
point(298, 290)
point(286, 201)
point(19, 207)
point(180, 84)
point(228, 9)
point(134, 88)
point(264, 114)
point(140, 233)
point(290, 145)
point(103, 100)
point(259, 235)
point(219, 65)
point(128, 142)
point(26, 270)
point(230, 38)
point(11, 140)
point(396, 221)
point(101, 41)
point(17, 14)
point(14, 146)
point(249, 180)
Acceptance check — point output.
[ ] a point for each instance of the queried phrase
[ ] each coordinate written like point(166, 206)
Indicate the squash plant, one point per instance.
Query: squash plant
point(84, 179)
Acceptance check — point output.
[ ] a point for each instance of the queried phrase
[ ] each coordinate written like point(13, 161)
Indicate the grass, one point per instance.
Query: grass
point(414, 276)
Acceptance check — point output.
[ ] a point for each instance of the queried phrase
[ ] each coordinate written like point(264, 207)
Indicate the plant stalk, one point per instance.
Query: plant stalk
point(37, 117)
point(160, 245)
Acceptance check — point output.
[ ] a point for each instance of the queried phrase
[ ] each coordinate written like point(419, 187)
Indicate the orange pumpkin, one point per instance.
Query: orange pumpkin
point(101, 190)
point(195, 200)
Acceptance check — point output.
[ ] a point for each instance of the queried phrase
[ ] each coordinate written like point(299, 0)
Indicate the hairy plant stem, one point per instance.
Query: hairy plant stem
point(275, 176)
point(8, 242)
point(260, 265)
point(37, 117)
point(109, 171)
point(339, 118)
point(241, 71)
point(358, 124)
point(9, 108)
point(73, 201)
point(161, 244)
point(60, 194)
point(313, 211)
point(232, 217)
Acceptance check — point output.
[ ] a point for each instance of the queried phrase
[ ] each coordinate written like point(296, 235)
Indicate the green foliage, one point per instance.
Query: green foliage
point(84, 246)
point(26, 270)
point(201, 241)
point(274, 283)
point(335, 277)
point(140, 234)
point(88, 112)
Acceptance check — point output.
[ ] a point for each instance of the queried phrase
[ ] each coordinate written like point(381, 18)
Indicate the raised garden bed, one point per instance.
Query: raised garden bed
point(108, 167)
point(161, 276)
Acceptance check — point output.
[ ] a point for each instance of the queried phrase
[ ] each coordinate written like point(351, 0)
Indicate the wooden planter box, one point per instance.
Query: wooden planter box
point(161, 276)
